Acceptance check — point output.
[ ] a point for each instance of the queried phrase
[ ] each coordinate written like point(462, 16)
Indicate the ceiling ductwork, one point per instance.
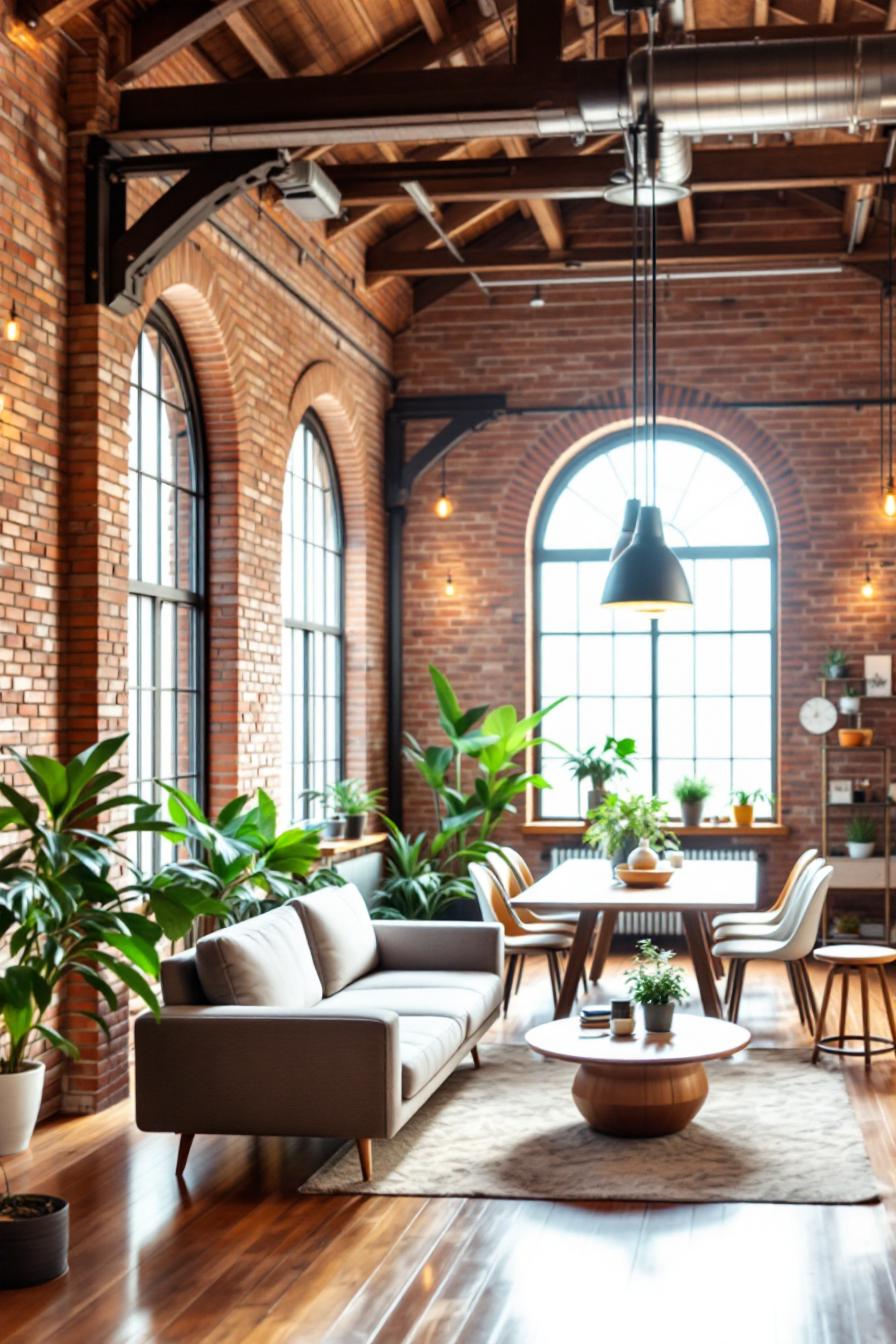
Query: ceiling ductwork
point(673, 168)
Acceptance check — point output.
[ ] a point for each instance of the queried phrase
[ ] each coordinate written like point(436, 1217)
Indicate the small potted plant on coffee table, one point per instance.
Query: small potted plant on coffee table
point(599, 767)
point(744, 804)
point(860, 837)
point(656, 984)
point(692, 792)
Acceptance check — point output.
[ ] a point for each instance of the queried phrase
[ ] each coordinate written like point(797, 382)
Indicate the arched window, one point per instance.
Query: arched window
point(167, 571)
point(696, 690)
point(312, 620)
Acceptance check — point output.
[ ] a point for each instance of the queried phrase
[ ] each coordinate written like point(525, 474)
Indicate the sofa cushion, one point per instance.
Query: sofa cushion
point(264, 962)
point(468, 996)
point(341, 935)
point(425, 1044)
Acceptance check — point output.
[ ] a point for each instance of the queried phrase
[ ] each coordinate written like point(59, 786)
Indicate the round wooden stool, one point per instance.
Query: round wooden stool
point(843, 959)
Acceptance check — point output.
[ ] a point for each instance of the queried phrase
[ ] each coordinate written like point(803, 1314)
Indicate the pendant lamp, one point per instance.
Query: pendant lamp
point(646, 575)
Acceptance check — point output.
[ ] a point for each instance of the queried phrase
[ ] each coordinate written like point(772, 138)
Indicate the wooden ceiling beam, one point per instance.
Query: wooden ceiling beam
point(249, 33)
point(435, 18)
point(52, 12)
point(169, 26)
point(539, 32)
point(488, 260)
point(548, 174)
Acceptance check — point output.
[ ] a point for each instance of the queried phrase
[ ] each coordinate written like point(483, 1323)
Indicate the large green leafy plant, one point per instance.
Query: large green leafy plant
point(239, 858)
point(620, 822)
point(493, 743)
point(415, 886)
point(67, 897)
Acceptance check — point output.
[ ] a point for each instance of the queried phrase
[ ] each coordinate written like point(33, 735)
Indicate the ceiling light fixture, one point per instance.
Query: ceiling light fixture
point(646, 575)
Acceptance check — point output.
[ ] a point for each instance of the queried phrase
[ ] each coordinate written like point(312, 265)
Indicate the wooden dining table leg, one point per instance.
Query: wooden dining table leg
point(602, 946)
point(718, 969)
point(577, 954)
point(700, 955)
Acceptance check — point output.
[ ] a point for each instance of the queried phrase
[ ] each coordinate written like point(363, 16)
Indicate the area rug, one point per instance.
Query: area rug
point(773, 1130)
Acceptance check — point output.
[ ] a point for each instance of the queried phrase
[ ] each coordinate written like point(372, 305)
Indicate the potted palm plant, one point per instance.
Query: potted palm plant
point(599, 767)
point(860, 837)
point(692, 792)
point(619, 823)
point(65, 918)
point(656, 984)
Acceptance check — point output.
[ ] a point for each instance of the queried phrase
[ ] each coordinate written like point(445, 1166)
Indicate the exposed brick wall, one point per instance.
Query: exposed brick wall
point(758, 340)
point(262, 356)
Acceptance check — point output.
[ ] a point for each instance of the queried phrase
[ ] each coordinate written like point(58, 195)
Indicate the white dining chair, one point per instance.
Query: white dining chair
point(792, 947)
point(759, 919)
point(519, 944)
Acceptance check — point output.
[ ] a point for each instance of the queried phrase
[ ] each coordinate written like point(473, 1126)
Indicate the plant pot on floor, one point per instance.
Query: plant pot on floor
point(33, 1240)
point(354, 825)
point(20, 1095)
point(860, 849)
point(743, 815)
point(658, 1016)
point(692, 813)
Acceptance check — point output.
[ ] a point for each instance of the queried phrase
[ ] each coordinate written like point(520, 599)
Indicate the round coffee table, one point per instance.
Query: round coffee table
point(643, 1085)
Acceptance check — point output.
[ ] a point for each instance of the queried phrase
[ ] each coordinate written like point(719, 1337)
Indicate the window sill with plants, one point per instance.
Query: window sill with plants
point(715, 829)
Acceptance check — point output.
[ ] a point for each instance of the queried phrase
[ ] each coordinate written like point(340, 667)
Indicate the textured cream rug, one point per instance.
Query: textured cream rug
point(773, 1130)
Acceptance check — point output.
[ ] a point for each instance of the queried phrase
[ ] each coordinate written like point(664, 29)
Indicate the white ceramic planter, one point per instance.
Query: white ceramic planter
point(850, 704)
point(20, 1095)
point(860, 849)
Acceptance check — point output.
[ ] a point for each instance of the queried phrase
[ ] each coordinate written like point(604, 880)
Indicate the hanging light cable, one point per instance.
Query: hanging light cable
point(647, 575)
point(890, 492)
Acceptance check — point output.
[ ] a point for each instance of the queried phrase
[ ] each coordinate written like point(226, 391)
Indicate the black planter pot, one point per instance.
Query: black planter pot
point(34, 1250)
point(354, 825)
point(692, 813)
point(658, 1016)
point(334, 828)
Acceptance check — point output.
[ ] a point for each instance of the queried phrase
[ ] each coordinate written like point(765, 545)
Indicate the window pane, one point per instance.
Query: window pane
point(559, 598)
point(558, 665)
point(675, 665)
point(675, 721)
point(631, 669)
point(752, 665)
point(713, 664)
point(712, 595)
point(596, 665)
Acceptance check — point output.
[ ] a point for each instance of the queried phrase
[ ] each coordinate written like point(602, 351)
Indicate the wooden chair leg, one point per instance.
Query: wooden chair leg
point(741, 967)
point(810, 992)
point(866, 1023)
point(825, 1000)
point(183, 1152)
point(477, 1062)
point(519, 976)
point(796, 991)
point(888, 1003)
point(844, 999)
point(508, 979)
point(809, 1012)
point(365, 1155)
point(555, 975)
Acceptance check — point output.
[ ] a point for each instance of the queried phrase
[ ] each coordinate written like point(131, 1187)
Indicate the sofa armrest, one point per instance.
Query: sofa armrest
point(439, 945)
point(319, 1072)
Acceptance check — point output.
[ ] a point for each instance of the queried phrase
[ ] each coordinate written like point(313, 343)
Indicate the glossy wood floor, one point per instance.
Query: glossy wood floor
point(236, 1256)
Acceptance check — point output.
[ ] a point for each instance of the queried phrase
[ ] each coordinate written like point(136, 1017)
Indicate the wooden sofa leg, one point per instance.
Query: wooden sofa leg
point(183, 1152)
point(365, 1153)
point(477, 1062)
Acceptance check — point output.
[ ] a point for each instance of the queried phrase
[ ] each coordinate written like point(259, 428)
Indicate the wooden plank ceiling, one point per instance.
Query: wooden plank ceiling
point(515, 206)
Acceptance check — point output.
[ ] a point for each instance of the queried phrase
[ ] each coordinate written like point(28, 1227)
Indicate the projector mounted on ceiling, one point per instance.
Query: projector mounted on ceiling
point(308, 192)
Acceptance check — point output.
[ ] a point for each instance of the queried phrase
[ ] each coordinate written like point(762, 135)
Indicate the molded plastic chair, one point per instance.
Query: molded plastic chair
point(782, 926)
point(518, 942)
point(792, 948)
point(759, 919)
point(511, 885)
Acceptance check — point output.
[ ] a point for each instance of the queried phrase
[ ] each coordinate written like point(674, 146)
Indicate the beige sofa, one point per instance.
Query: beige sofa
point(314, 1020)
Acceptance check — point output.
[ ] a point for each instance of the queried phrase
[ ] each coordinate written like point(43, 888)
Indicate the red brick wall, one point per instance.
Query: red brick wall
point(757, 340)
point(262, 357)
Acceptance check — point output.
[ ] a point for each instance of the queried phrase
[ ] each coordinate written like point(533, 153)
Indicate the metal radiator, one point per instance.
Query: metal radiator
point(650, 923)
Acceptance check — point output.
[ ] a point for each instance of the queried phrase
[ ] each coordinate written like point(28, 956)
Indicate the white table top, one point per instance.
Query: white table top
point(691, 1039)
point(713, 885)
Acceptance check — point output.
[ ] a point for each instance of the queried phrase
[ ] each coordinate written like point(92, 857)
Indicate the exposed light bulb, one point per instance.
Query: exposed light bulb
point(449, 586)
point(537, 299)
point(12, 328)
point(890, 499)
point(443, 506)
point(867, 587)
point(2, 402)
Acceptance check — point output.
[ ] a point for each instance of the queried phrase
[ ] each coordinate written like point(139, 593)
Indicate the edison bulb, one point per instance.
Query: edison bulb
point(890, 502)
point(443, 508)
point(867, 588)
point(449, 586)
point(12, 329)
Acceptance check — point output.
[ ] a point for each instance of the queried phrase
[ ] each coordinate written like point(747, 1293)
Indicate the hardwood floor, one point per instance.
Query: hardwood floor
point(234, 1256)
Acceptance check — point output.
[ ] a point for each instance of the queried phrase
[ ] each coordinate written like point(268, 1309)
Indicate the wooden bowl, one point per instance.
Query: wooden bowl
point(643, 877)
point(850, 737)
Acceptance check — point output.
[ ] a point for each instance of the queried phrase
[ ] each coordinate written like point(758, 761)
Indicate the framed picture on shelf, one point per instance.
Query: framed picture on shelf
point(878, 674)
point(892, 793)
point(840, 790)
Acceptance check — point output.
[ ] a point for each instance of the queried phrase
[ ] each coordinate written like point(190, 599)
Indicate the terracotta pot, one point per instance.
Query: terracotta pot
point(850, 737)
point(743, 814)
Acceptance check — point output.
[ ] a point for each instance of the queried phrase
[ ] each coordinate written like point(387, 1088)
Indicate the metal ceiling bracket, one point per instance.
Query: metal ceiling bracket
point(463, 415)
point(120, 256)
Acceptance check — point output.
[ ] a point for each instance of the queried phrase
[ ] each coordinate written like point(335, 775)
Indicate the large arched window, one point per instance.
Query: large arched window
point(696, 690)
point(167, 571)
point(312, 620)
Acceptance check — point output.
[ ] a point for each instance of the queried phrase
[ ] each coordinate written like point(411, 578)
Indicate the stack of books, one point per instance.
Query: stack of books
point(595, 1016)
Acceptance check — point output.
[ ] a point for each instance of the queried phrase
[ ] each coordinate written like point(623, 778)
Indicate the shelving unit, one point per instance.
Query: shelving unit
point(860, 874)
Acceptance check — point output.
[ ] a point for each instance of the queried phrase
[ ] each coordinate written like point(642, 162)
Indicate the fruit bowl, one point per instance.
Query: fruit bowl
point(643, 877)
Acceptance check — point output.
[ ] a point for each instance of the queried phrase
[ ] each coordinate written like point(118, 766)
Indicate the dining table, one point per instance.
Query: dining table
point(697, 890)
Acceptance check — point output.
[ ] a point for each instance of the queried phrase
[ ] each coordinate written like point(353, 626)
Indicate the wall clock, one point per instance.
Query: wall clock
point(818, 715)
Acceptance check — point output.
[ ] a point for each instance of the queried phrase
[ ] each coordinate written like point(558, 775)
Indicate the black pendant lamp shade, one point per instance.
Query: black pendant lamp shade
point(647, 576)
point(627, 531)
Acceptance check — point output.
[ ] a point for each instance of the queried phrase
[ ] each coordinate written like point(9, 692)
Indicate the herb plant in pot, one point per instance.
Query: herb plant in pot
point(599, 767)
point(834, 664)
point(656, 984)
point(744, 804)
point(860, 837)
point(692, 793)
point(618, 824)
point(850, 701)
